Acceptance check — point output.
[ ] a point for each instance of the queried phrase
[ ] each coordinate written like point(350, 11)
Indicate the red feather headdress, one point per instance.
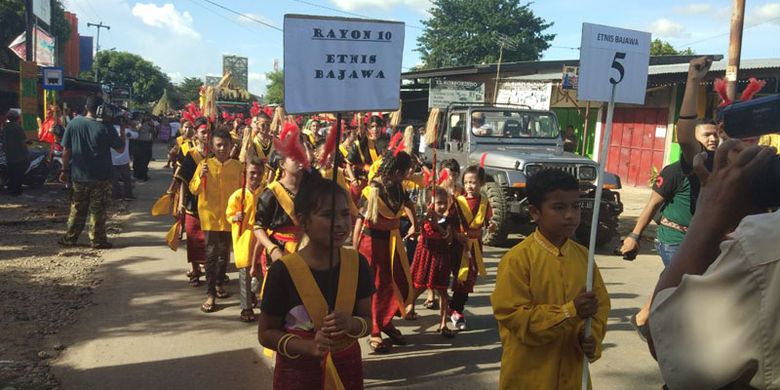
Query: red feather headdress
point(754, 85)
point(330, 146)
point(255, 110)
point(289, 144)
point(444, 174)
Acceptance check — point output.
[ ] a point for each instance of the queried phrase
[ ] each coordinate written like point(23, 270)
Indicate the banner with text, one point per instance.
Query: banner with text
point(444, 92)
point(341, 64)
point(613, 56)
point(535, 94)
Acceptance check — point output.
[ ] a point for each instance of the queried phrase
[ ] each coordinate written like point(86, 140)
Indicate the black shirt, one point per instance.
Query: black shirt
point(185, 174)
point(280, 294)
point(695, 183)
point(90, 143)
point(14, 143)
point(269, 213)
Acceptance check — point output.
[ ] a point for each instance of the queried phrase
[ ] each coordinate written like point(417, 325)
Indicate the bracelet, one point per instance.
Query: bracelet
point(688, 117)
point(282, 346)
point(363, 328)
point(633, 235)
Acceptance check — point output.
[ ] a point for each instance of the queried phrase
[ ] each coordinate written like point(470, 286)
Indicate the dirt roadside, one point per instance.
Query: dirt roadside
point(43, 286)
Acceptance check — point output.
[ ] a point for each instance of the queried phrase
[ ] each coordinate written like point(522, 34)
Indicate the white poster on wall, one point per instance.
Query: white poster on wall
point(444, 92)
point(341, 64)
point(535, 94)
point(613, 56)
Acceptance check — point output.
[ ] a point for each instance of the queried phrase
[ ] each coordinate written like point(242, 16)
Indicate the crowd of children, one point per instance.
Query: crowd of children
point(267, 192)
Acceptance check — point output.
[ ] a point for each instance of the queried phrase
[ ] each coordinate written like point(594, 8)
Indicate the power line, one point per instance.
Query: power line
point(727, 33)
point(248, 17)
point(223, 16)
point(349, 13)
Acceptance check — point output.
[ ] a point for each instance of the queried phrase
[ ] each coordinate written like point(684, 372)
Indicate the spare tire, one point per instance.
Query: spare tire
point(495, 194)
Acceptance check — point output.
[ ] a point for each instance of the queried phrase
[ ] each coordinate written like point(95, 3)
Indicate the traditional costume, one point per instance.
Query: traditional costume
point(433, 257)
point(381, 242)
point(296, 293)
point(362, 154)
point(243, 240)
point(196, 244)
point(276, 215)
point(533, 303)
point(223, 179)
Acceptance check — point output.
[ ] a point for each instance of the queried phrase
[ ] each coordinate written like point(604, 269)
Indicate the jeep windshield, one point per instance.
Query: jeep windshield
point(513, 124)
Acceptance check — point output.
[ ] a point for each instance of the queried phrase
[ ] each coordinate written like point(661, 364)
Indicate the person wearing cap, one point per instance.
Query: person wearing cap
point(86, 161)
point(15, 148)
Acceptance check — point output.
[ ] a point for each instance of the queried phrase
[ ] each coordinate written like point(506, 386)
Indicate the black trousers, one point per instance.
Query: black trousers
point(458, 301)
point(16, 176)
point(142, 154)
point(217, 257)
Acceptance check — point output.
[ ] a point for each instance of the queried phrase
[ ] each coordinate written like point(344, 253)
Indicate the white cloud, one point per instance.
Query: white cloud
point(166, 16)
point(765, 13)
point(693, 9)
point(666, 28)
point(176, 77)
point(421, 6)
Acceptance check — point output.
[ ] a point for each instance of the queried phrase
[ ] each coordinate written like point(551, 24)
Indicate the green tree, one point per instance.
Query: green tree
point(12, 17)
point(274, 93)
point(119, 68)
point(187, 90)
point(464, 32)
point(663, 48)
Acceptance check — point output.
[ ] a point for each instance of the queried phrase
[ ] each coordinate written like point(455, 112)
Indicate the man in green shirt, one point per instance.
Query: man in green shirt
point(15, 148)
point(86, 160)
point(672, 196)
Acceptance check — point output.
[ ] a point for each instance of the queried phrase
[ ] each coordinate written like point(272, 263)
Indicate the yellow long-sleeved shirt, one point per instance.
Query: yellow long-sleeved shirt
point(221, 180)
point(534, 305)
point(242, 244)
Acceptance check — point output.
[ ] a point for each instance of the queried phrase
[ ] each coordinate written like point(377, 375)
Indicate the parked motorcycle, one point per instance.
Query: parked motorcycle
point(37, 170)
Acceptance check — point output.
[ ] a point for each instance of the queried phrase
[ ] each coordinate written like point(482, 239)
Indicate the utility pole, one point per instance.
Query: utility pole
point(29, 21)
point(97, 43)
point(735, 47)
point(503, 41)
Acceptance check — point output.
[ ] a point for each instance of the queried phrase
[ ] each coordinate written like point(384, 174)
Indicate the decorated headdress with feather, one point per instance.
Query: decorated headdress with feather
point(255, 110)
point(396, 143)
point(289, 144)
point(330, 145)
point(754, 85)
point(191, 113)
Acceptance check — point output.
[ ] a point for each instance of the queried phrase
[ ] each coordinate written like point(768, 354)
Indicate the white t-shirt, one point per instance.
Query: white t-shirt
point(124, 157)
point(175, 126)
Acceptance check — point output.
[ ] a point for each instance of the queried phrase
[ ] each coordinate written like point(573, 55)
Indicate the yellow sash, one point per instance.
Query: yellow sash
point(371, 152)
point(396, 245)
point(284, 200)
point(316, 305)
point(474, 222)
point(259, 149)
point(344, 150)
point(185, 146)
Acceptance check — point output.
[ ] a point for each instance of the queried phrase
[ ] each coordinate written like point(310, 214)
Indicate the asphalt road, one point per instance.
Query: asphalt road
point(145, 330)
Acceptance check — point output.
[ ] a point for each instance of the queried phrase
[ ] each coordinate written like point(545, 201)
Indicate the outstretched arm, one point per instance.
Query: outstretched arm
point(686, 124)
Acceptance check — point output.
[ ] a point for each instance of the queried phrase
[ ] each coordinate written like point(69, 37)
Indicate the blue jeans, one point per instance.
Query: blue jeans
point(666, 251)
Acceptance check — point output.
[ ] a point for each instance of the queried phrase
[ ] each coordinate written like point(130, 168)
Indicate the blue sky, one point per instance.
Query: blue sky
point(187, 38)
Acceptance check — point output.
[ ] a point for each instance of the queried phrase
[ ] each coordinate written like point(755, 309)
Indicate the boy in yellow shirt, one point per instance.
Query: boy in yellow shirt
point(242, 220)
point(215, 179)
point(539, 300)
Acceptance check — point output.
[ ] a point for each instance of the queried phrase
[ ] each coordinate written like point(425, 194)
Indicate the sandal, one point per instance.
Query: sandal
point(208, 307)
point(247, 315)
point(431, 304)
point(195, 281)
point(412, 316)
point(379, 347)
point(192, 273)
point(222, 293)
point(447, 332)
point(395, 336)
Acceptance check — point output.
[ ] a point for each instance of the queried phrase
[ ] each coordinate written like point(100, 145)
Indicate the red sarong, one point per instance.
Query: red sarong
point(285, 237)
point(305, 373)
point(196, 241)
point(384, 303)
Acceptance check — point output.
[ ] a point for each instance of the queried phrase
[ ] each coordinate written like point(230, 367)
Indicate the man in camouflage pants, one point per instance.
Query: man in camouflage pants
point(87, 145)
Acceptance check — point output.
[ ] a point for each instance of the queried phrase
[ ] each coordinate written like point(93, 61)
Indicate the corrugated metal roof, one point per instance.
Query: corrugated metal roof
point(717, 66)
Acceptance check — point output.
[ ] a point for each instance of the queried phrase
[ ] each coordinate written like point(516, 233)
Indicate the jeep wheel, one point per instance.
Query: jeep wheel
point(603, 236)
point(500, 218)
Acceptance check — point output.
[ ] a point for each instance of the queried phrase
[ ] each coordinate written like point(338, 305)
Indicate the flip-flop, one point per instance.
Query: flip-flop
point(395, 336)
point(222, 294)
point(247, 315)
point(412, 316)
point(379, 347)
point(447, 333)
point(208, 307)
point(431, 305)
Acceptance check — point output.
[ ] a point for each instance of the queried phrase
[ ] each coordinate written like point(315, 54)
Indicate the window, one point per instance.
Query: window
point(513, 124)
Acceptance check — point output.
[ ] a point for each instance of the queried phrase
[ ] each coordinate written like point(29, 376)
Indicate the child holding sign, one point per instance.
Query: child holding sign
point(539, 299)
point(294, 320)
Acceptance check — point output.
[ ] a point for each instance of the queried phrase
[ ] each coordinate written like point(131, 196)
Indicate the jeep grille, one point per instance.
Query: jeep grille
point(568, 168)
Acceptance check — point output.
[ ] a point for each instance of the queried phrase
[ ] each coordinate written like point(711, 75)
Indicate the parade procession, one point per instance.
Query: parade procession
point(526, 199)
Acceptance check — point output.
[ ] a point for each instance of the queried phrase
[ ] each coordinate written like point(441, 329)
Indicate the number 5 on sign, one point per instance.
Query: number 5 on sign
point(613, 56)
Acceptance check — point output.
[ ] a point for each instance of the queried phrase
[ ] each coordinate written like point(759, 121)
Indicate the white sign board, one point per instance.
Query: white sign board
point(341, 64)
point(42, 9)
point(610, 55)
point(444, 92)
point(535, 94)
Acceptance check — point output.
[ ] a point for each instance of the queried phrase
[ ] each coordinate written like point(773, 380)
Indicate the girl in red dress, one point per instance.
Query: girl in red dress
point(433, 257)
